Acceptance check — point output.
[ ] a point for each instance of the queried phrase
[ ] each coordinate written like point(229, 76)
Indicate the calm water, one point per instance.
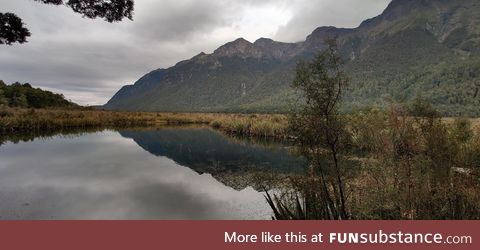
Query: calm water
point(169, 173)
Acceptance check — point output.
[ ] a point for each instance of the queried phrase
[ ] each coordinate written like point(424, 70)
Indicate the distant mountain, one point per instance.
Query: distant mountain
point(427, 47)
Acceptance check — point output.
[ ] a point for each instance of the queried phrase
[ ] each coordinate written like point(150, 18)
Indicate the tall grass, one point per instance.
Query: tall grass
point(421, 167)
point(252, 125)
point(24, 120)
point(401, 167)
point(16, 120)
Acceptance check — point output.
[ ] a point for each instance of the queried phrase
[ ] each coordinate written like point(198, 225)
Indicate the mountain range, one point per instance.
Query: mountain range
point(429, 48)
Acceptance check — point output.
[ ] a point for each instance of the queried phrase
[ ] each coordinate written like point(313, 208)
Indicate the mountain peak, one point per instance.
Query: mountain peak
point(201, 54)
point(425, 40)
point(263, 41)
point(325, 32)
point(239, 42)
point(401, 8)
point(398, 9)
point(240, 47)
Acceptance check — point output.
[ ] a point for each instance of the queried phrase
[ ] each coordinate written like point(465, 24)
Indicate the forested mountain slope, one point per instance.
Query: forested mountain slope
point(426, 47)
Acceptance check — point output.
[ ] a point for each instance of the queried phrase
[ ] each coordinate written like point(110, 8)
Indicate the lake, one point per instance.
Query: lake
point(175, 173)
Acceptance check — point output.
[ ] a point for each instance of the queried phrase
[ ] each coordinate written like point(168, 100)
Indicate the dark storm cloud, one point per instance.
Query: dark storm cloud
point(89, 60)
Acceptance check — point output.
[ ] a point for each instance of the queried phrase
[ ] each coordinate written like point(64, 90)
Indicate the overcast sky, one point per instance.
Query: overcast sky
point(89, 60)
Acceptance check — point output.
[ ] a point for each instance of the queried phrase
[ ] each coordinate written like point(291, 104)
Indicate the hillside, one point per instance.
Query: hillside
point(25, 96)
point(427, 47)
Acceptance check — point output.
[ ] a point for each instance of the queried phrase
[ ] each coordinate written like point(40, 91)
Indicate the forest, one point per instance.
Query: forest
point(25, 96)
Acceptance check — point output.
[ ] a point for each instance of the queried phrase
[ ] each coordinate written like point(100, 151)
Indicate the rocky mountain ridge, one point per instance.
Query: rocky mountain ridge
point(415, 46)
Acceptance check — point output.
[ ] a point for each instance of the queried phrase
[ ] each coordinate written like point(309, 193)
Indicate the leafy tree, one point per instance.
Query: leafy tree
point(422, 109)
point(19, 100)
point(321, 136)
point(12, 29)
point(3, 99)
point(24, 95)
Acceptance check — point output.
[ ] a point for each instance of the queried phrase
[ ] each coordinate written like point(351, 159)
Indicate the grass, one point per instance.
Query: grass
point(16, 120)
point(252, 125)
point(13, 120)
point(379, 181)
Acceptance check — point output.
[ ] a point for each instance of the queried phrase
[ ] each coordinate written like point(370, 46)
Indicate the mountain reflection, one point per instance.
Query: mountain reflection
point(207, 151)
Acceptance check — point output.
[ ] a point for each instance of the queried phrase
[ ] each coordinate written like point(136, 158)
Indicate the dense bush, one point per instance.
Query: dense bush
point(25, 96)
point(418, 167)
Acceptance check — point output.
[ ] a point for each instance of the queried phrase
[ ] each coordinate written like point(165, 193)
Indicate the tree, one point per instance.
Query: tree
point(19, 100)
point(12, 29)
point(321, 136)
point(3, 99)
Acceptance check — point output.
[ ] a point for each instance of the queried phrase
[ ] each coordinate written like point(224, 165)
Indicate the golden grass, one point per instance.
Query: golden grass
point(252, 125)
point(475, 122)
point(13, 120)
point(19, 120)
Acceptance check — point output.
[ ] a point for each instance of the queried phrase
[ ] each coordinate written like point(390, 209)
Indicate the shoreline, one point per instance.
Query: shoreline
point(18, 121)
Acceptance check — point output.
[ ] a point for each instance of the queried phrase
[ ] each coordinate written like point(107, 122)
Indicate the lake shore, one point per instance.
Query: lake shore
point(16, 120)
point(375, 139)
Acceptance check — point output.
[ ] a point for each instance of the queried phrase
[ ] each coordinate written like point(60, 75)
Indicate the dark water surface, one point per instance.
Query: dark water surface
point(167, 173)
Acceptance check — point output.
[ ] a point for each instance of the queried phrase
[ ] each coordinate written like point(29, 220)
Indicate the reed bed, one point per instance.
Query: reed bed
point(252, 125)
point(16, 120)
point(25, 120)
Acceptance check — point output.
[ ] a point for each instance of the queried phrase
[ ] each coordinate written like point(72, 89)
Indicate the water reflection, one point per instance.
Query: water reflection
point(207, 151)
point(105, 175)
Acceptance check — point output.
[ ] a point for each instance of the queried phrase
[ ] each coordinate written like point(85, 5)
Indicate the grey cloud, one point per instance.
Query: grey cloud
point(181, 20)
point(89, 60)
point(176, 22)
point(309, 15)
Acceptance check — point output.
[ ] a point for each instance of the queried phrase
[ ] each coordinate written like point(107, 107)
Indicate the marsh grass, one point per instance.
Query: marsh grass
point(17, 120)
point(275, 126)
point(423, 167)
point(405, 167)
point(252, 125)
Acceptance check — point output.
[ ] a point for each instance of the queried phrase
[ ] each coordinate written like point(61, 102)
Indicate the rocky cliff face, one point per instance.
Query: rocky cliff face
point(413, 46)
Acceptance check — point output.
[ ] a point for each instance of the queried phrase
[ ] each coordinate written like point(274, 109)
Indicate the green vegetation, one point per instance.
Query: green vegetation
point(429, 47)
point(255, 125)
point(415, 168)
point(405, 163)
point(394, 166)
point(12, 28)
point(24, 96)
point(14, 120)
point(17, 120)
point(376, 150)
point(321, 136)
